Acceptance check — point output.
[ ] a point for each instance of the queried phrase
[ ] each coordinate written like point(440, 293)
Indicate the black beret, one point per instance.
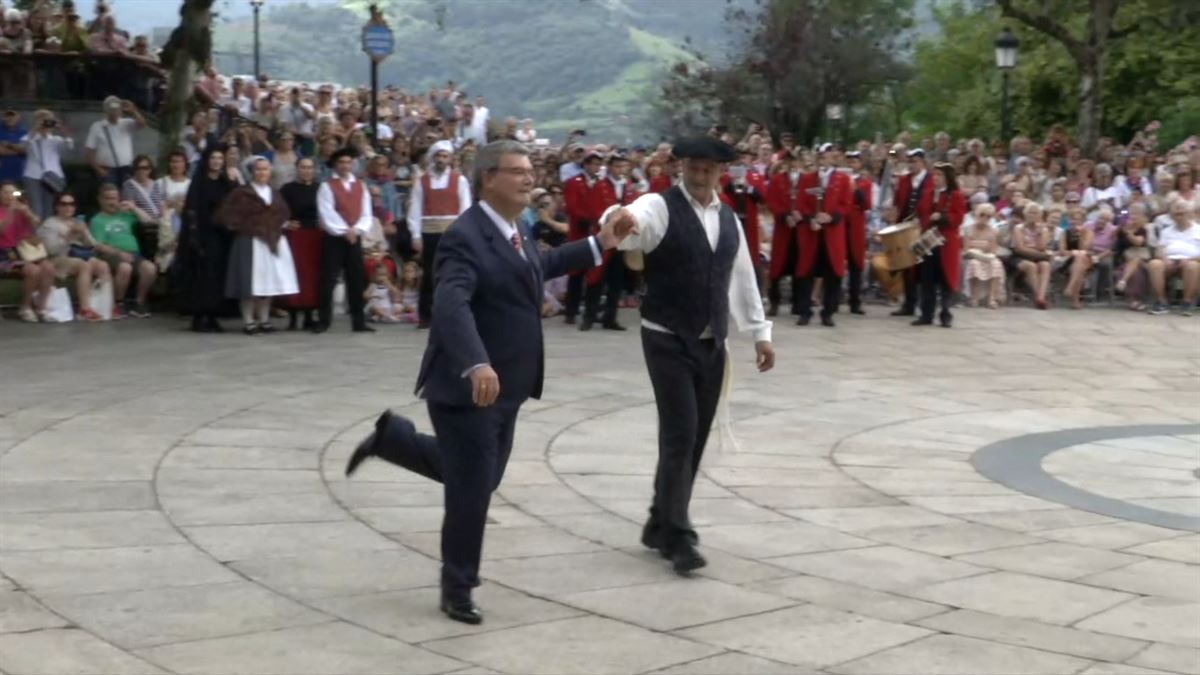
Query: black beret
point(340, 153)
point(703, 147)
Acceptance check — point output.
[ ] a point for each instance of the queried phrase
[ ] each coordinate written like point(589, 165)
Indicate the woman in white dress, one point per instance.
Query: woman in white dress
point(260, 262)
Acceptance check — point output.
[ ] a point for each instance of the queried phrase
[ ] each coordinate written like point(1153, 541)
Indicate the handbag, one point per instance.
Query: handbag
point(31, 252)
point(81, 252)
point(58, 306)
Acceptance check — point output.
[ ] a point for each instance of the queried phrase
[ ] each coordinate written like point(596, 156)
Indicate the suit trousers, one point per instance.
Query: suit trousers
point(339, 256)
point(429, 244)
point(686, 376)
point(854, 276)
point(468, 457)
point(910, 289)
point(831, 290)
point(933, 284)
point(612, 285)
point(575, 284)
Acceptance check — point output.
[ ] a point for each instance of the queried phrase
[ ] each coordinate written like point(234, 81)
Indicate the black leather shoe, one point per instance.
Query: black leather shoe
point(652, 538)
point(773, 310)
point(363, 329)
point(465, 611)
point(687, 560)
point(422, 325)
point(923, 322)
point(362, 452)
point(946, 319)
point(586, 324)
point(318, 328)
point(250, 329)
point(803, 321)
point(266, 328)
point(857, 310)
point(613, 325)
point(827, 321)
point(904, 312)
point(570, 320)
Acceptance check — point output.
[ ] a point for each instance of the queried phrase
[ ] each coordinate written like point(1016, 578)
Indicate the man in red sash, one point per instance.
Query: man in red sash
point(437, 199)
point(584, 195)
point(609, 276)
point(856, 229)
point(826, 200)
point(344, 207)
point(783, 198)
point(914, 199)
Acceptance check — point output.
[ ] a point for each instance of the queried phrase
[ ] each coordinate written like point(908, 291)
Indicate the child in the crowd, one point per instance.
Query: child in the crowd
point(410, 287)
point(383, 299)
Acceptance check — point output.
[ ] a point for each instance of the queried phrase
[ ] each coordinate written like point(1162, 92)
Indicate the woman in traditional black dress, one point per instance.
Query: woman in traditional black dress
point(203, 253)
point(305, 236)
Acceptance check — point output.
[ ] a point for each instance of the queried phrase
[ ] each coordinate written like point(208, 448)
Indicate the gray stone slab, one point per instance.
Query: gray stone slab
point(1022, 596)
point(259, 438)
point(871, 517)
point(67, 652)
point(1111, 535)
point(19, 613)
point(114, 569)
point(807, 635)
point(1167, 620)
point(677, 603)
point(1119, 669)
point(573, 646)
point(138, 619)
point(413, 615)
point(327, 649)
point(885, 568)
point(768, 540)
point(1152, 577)
point(528, 542)
point(1038, 521)
point(1026, 633)
point(953, 655)
point(250, 508)
point(949, 540)
point(224, 457)
point(572, 573)
point(239, 542)
point(1170, 658)
point(100, 529)
point(1055, 560)
point(329, 572)
point(815, 497)
point(1180, 549)
point(851, 598)
point(732, 663)
point(76, 495)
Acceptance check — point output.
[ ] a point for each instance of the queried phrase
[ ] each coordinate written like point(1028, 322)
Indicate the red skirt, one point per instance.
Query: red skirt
point(306, 253)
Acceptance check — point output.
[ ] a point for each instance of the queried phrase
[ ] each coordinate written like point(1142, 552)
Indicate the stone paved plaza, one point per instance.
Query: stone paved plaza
point(1016, 495)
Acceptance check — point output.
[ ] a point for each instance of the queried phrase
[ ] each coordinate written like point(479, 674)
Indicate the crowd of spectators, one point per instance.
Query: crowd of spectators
point(1045, 222)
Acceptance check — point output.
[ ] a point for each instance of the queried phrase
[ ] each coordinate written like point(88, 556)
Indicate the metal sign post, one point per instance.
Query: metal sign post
point(378, 42)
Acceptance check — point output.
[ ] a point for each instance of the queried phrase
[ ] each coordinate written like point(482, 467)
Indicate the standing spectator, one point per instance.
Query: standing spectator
point(139, 191)
point(438, 198)
point(574, 166)
point(110, 141)
point(69, 245)
point(298, 118)
point(1178, 255)
point(109, 40)
point(344, 206)
point(12, 152)
point(114, 230)
point(304, 237)
point(260, 262)
point(283, 161)
point(44, 175)
point(526, 134)
point(483, 115)
point(17, 223)
point(197, 138)
point(16, 33)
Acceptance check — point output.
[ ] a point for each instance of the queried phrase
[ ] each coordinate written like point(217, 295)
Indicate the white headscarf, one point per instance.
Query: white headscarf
point(439, 147)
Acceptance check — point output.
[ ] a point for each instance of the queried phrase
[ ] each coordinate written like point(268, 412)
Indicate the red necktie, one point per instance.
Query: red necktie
point(516, 241)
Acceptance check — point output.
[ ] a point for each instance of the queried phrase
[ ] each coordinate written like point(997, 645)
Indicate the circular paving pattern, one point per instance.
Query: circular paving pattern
point(175, 503)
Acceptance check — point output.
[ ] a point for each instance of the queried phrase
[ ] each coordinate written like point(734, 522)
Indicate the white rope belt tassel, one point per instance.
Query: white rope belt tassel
point(724, 418)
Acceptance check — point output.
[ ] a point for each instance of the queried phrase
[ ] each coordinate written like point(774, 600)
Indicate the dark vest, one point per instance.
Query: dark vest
point(687, 282)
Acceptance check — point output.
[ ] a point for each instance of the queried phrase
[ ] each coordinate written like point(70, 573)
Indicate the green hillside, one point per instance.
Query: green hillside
point(568, 64)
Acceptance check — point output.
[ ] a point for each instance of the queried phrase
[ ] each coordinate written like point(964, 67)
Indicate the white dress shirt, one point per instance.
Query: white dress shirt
point(745, 302)
point(263, 192)
point(416, 198)
point(44, 153)
point(331, 220)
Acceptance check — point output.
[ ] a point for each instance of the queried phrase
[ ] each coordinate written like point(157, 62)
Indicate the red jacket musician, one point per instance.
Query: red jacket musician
point(586, 196)
point(609, 277)
point(783, 199)
point(913, 200)
point(743, 189)
point(856, 229)
point(826, 202)
point(939, 271)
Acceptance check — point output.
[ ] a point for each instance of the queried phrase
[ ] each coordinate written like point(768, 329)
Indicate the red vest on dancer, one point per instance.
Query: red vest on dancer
point(838, 202)
point(783, 197)
point(347, 201)
point(441, 203)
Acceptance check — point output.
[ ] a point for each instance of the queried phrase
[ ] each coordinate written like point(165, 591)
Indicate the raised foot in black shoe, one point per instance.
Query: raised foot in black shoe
point(804, 321)
point(827, 321)
point(464, 611)
point(904, 312)
point(613, 325)
point(923, 322)
point(687, 560)
point(369, 447)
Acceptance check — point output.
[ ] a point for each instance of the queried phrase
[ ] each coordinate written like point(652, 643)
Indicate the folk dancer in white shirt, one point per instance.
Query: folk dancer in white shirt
point(344, 207)
point(698, 276)
point(438, 197)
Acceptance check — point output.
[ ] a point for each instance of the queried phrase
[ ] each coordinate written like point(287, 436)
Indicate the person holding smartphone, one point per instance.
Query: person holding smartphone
point(44, 146)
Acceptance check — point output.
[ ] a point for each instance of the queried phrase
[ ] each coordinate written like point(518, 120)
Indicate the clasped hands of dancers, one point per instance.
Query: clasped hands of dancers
point(485, 352)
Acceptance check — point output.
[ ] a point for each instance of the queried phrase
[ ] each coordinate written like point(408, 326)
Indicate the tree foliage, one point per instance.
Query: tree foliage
point(791, 58)
point(1152, 71)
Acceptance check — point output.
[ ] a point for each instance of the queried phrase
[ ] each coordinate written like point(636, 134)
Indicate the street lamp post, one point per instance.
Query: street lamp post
point(835, 113)
point(1006, 60)
point(256, 5)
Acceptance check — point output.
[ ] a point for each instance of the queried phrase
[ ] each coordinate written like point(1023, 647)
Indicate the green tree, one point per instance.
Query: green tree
point(187, 51)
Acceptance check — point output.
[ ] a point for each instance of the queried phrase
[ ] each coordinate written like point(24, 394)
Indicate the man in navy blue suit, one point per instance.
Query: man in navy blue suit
point(484, 359)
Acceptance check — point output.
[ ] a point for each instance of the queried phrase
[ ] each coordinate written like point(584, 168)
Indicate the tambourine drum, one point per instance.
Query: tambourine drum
point(897, 244)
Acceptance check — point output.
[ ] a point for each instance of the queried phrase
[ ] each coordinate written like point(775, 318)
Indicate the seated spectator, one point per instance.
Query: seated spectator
point(1075, 252)
point(115, 232)
point(72, 253)
point(1178, 255)
point(1104, 241)
point(1031, 241)
point(1185, 188)
point(375, 247)
point(981, 250)
point(383, 299)
point(1133, 251)
point(44, 148)
point(17, 227)
point(1103, 191)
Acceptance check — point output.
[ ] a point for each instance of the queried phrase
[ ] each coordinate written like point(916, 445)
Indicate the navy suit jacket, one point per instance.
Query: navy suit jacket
point(487, 308)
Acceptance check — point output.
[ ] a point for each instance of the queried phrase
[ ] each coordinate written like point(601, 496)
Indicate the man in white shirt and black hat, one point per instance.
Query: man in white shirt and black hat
point(699, 277)
point(438, 197)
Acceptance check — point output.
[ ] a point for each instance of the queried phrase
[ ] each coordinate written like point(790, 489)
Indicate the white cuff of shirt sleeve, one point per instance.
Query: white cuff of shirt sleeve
point(763, 334)
point(468, 371)
point(597, 256)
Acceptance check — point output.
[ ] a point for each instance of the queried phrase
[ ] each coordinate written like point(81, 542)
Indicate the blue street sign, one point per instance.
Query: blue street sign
point(378, 41)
